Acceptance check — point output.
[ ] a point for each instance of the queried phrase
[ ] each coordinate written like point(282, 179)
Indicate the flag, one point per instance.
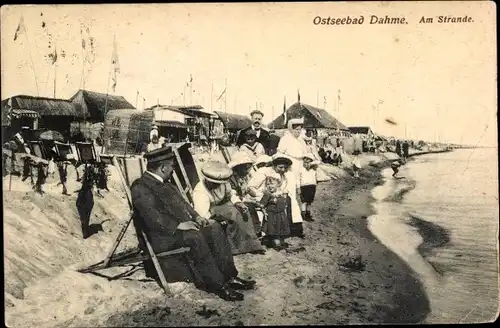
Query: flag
point(20, 28)
point(223, 92)
point(380, 102)
point(338, 95)
point(116, 64)
point(53, 56)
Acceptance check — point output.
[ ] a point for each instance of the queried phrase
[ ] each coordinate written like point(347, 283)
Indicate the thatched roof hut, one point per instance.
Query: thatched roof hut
point(127, 130)
point(313, 118)
point(93, 104)
point(234, 121)
point(43, 106)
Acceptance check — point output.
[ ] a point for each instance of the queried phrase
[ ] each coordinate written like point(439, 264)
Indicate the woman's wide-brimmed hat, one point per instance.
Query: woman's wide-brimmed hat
point(279, 158)
point(216, 172)
point(240, 158)
point(263, 159)
point(295, 121)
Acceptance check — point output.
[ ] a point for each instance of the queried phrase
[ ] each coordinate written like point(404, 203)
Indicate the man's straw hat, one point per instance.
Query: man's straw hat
point(216, 172)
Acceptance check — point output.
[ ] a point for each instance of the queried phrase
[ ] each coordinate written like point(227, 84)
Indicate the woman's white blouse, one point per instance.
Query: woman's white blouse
point(291, 146)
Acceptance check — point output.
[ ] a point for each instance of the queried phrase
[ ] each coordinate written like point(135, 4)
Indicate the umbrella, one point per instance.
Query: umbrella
point(51, 135)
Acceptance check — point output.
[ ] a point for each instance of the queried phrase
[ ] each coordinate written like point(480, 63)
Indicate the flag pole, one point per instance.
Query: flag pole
point(31, 58)
point(211, 98)
point(137, 99)
point(55, 77)
point(109, 77)
point(225, 97)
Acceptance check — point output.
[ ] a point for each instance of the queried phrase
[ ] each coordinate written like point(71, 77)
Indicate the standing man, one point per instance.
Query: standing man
point(170, 222)
point(262, 135)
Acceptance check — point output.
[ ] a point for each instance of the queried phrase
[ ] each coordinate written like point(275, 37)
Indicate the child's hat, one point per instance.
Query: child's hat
point(250, 133)
point(309, 156)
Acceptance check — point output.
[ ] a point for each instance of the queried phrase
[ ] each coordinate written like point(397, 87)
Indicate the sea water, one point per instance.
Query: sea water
point(450, 201)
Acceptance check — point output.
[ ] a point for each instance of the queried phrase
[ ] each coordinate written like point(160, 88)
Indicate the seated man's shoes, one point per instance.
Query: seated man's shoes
point(250, 284)
point(229, 294)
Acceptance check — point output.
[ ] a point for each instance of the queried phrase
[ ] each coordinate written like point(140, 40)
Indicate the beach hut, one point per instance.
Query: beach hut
point(314, 118)
point(233, 122)
point(94, 105)
point(364, 131)
point(43, 113)
point(126, 131)
point(181, 121)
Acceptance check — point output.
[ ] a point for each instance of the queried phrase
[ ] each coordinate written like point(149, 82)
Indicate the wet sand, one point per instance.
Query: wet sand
point(339, 274)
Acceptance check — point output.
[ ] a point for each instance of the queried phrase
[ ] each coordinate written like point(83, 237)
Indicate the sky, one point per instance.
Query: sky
point(437, 81)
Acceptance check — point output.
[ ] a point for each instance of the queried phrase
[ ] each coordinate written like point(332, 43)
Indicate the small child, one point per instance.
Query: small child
point(308, 180)
point(251, 146)
point(356, 163)
point(277, 226)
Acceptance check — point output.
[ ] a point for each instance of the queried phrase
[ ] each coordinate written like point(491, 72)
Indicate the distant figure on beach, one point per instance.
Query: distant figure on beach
point(308, 181)
point(398, 148)
point(406, 149)
point(356, 163)
point(154, 132)
point(251, 146)
point(262, 135)
point(395, 165)
point(213, 198)
point(171, 222)
point(311, 147)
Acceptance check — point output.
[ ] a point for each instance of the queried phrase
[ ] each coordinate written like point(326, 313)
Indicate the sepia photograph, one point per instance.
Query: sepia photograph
point(250, 164)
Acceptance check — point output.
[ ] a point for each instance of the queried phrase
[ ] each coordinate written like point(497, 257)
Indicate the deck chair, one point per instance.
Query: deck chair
point(128, 174)
point(38, 150)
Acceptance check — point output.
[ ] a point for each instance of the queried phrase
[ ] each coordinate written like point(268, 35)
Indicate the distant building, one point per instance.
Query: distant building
point(94, 106)
point(314, 118)
point(364, 131)
point(181, 121)
point(41, 113)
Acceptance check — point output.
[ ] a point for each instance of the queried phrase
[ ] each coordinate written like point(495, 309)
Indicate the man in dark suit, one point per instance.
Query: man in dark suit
point(262, 135)
point(170, 222)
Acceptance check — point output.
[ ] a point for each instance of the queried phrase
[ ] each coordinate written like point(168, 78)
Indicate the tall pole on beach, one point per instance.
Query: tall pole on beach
point(225, 96)
point(21, 29)
point(317, 98)
point(211, 97)
point(137, 99)
point(55, 72)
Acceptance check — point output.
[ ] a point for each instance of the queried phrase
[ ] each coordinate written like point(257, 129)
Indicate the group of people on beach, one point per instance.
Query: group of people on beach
point(257, 200)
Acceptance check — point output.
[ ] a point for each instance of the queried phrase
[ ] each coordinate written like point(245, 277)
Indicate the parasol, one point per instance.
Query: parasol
point(51, 135)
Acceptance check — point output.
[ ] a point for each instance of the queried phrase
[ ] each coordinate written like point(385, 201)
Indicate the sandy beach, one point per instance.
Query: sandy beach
point(339, 274)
